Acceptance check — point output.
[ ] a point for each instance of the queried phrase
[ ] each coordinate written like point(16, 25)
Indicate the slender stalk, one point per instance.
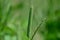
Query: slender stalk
point(5, 22)
point(36, 30)
point(29, 22)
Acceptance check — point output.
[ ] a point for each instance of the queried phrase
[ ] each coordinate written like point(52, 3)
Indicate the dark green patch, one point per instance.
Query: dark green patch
point(18, 6)
point(58, 24)
point(50, 26)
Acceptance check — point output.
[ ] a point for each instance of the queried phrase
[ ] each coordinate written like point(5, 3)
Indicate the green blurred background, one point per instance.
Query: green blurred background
point(14, 17)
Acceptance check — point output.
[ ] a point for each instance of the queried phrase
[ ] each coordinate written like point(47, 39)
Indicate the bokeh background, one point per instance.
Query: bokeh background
point(14, 15)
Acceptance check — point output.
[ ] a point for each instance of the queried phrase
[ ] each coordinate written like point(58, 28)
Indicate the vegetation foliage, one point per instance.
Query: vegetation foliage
point(29, 19)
